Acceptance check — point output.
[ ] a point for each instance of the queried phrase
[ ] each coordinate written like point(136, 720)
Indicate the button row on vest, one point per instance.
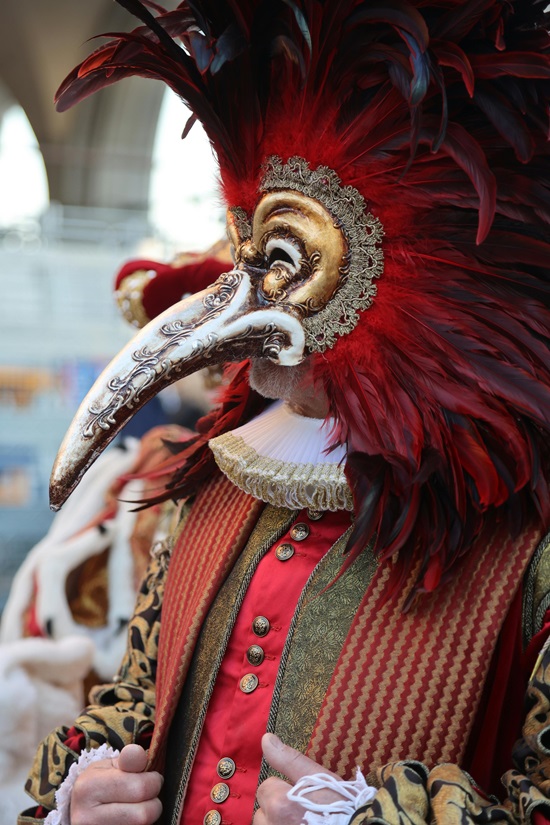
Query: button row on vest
point(255, 656)
point(298, 532)
point(220, 792)
point(260, 626)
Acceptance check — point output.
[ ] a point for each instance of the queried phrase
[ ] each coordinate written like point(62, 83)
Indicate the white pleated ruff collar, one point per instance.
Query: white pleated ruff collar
point(280, 457)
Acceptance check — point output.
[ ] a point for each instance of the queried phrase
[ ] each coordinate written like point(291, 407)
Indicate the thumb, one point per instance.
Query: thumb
point(132, 759)
point(287, 760)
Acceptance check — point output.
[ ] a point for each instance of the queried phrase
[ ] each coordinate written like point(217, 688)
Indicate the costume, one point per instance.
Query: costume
point(129, 704)
point(383, 167)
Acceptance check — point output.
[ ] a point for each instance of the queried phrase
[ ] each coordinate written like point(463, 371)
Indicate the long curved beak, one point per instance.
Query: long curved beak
point(225, 322)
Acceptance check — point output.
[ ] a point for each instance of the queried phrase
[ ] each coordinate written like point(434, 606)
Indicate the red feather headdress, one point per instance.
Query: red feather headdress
point(436, 111)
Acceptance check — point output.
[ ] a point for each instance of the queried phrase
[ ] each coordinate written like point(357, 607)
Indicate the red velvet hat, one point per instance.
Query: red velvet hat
point(144, 288)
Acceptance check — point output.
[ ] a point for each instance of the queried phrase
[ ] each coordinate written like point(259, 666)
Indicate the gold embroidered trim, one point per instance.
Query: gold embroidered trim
point(281, 483)
point(317, 634)
point(242, 222)
point(536, 598)
point(362, 230)
point(129, 297)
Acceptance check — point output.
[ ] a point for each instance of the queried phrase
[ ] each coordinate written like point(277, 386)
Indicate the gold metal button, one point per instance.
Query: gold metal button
point(299, 532)
point(260, 626)
point(255, 655)
point(284, 552)
point(212, 818)
point(226, 767)
point(315, 515)
point(249, 683)
point(219, 793)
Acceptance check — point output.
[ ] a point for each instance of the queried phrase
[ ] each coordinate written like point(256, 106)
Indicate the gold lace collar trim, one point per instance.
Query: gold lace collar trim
point(320, 486)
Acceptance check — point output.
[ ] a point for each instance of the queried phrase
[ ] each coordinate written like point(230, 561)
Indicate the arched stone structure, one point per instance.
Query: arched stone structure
point(98, 154)
point(105, 159)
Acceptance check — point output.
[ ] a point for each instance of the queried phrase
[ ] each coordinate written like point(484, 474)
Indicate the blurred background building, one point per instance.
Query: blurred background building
point(80, 193)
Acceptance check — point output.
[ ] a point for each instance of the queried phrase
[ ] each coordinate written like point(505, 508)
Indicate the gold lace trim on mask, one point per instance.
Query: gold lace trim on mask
point(281, 483)
point(242, 223)
point(362, 230)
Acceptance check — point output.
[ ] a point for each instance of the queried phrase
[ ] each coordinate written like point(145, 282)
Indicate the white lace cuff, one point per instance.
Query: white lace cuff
point(61, 815)
point(354, 793)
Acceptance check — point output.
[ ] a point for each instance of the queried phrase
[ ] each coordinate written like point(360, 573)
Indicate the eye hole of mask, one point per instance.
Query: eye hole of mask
point(279, 255)
point(278, 250)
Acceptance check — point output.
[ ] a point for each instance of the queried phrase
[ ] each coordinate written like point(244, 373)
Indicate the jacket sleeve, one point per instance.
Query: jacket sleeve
point(528, 784)
point(120, 713)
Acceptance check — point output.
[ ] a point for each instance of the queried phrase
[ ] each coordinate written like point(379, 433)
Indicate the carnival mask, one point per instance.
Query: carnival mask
point(304, 266)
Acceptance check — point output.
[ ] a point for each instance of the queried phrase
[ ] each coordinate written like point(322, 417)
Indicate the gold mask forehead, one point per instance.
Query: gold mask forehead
point(323, 246)
point(349, 237)
point(307, 218)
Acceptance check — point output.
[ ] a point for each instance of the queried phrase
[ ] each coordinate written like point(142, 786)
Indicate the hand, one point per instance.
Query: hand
point(117, 791)
point(275, 808)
